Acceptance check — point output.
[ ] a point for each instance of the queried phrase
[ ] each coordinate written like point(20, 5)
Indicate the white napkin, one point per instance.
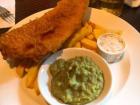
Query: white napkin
point(9, 5)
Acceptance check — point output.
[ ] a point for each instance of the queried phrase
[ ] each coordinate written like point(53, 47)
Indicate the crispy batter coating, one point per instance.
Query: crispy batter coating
point(36, 39)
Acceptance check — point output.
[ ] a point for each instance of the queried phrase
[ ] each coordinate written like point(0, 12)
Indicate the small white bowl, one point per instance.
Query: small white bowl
point(113, 54)
point(44, 76)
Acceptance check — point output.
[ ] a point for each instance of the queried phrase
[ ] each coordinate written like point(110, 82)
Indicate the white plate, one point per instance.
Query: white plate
point(125, 73)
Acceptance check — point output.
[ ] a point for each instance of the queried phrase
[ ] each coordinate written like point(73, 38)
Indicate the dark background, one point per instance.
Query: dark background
point(25, 8)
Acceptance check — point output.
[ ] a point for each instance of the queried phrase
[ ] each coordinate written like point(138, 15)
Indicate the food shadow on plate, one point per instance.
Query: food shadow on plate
point(87, 15)
point(25, 63)
point(121, 72)
point(53, 58)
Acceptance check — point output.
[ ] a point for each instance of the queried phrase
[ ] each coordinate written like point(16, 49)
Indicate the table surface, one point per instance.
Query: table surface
point(25, 8)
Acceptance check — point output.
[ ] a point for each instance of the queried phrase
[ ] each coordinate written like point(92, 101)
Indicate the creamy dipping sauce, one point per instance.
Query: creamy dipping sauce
point(111, 43)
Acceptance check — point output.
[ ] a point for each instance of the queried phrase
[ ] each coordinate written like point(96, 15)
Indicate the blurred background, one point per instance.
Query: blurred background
point(114, 6)
point(128, 10)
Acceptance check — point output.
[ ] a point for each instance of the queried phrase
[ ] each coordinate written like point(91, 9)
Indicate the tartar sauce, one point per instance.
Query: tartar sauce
point(111, 43)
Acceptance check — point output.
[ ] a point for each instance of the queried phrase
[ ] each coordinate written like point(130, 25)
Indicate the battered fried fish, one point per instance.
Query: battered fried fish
point(34, 40)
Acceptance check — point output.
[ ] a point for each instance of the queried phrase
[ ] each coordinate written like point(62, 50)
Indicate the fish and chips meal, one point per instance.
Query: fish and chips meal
point(61, 27)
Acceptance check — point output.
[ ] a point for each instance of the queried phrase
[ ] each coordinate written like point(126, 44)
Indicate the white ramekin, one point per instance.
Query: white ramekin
point(108, 56)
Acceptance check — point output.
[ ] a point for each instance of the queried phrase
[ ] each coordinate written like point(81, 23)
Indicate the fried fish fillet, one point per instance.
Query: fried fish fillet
point(34, 40)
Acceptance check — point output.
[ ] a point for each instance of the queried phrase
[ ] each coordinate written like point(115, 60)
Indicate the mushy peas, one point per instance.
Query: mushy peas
point(76, 81)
